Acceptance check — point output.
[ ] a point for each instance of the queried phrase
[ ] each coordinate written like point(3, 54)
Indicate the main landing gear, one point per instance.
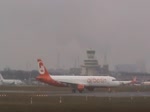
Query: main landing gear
point(73, 90)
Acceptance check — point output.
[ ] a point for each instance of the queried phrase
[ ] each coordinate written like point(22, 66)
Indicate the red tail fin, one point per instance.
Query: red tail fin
point(44, 75)
point(42, 68)
point(134, 80)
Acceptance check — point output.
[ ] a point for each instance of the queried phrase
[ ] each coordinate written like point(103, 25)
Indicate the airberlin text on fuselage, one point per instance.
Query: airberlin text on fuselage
point(96, 80)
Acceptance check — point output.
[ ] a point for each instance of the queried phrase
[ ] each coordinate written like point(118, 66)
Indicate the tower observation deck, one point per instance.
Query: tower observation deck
point(90, 66)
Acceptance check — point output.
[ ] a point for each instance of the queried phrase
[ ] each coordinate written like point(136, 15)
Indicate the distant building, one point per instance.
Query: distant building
point(75, 71)
point(141, 66)
point(130, 68)
point(105, 69)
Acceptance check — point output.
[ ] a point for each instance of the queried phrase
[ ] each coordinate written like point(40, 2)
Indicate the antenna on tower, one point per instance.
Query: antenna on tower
point(78, 61)
point(58, 60)
point(106, 51)
point(75, 63)
point(105, 58)
point(105, 64)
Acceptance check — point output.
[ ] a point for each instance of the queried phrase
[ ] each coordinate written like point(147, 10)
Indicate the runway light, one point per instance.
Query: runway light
point(131, 98)
point(109, 99)
point(41, 95)
point(31, 100)
point(60, 100)
point(2, 95)
point(86, 98)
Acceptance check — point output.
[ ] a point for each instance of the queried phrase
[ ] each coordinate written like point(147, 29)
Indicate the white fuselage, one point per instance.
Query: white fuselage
point(94, 81)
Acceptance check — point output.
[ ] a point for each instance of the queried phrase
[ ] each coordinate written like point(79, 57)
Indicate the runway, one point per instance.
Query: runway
point(106, 94)
point(68, 93)
point(47, 99)
point(114, 94)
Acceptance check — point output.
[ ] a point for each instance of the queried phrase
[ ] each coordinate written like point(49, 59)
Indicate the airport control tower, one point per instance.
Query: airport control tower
point(91, 66)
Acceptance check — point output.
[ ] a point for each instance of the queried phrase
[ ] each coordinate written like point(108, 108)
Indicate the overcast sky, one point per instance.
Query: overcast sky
point(49, 29)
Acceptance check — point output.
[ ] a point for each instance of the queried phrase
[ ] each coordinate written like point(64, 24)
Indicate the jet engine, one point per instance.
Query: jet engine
point(80, 88)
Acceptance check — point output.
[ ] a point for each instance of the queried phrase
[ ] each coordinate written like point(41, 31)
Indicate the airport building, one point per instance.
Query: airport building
point(90, 66)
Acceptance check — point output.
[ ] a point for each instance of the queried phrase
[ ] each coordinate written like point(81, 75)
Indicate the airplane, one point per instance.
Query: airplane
point(130, 82)
point(146, 83)
point(9, 81)
point(78, 83)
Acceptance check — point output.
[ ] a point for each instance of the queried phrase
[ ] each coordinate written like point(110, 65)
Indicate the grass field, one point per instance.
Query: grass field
point(27, 102)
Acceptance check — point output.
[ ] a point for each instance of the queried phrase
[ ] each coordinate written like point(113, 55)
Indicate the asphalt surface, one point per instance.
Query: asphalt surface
point(67, 93)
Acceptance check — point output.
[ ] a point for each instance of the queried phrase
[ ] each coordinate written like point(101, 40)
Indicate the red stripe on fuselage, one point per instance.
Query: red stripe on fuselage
point(49, 80)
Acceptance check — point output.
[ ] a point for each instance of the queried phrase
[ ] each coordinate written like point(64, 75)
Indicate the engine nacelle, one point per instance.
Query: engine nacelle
point(80, 87)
